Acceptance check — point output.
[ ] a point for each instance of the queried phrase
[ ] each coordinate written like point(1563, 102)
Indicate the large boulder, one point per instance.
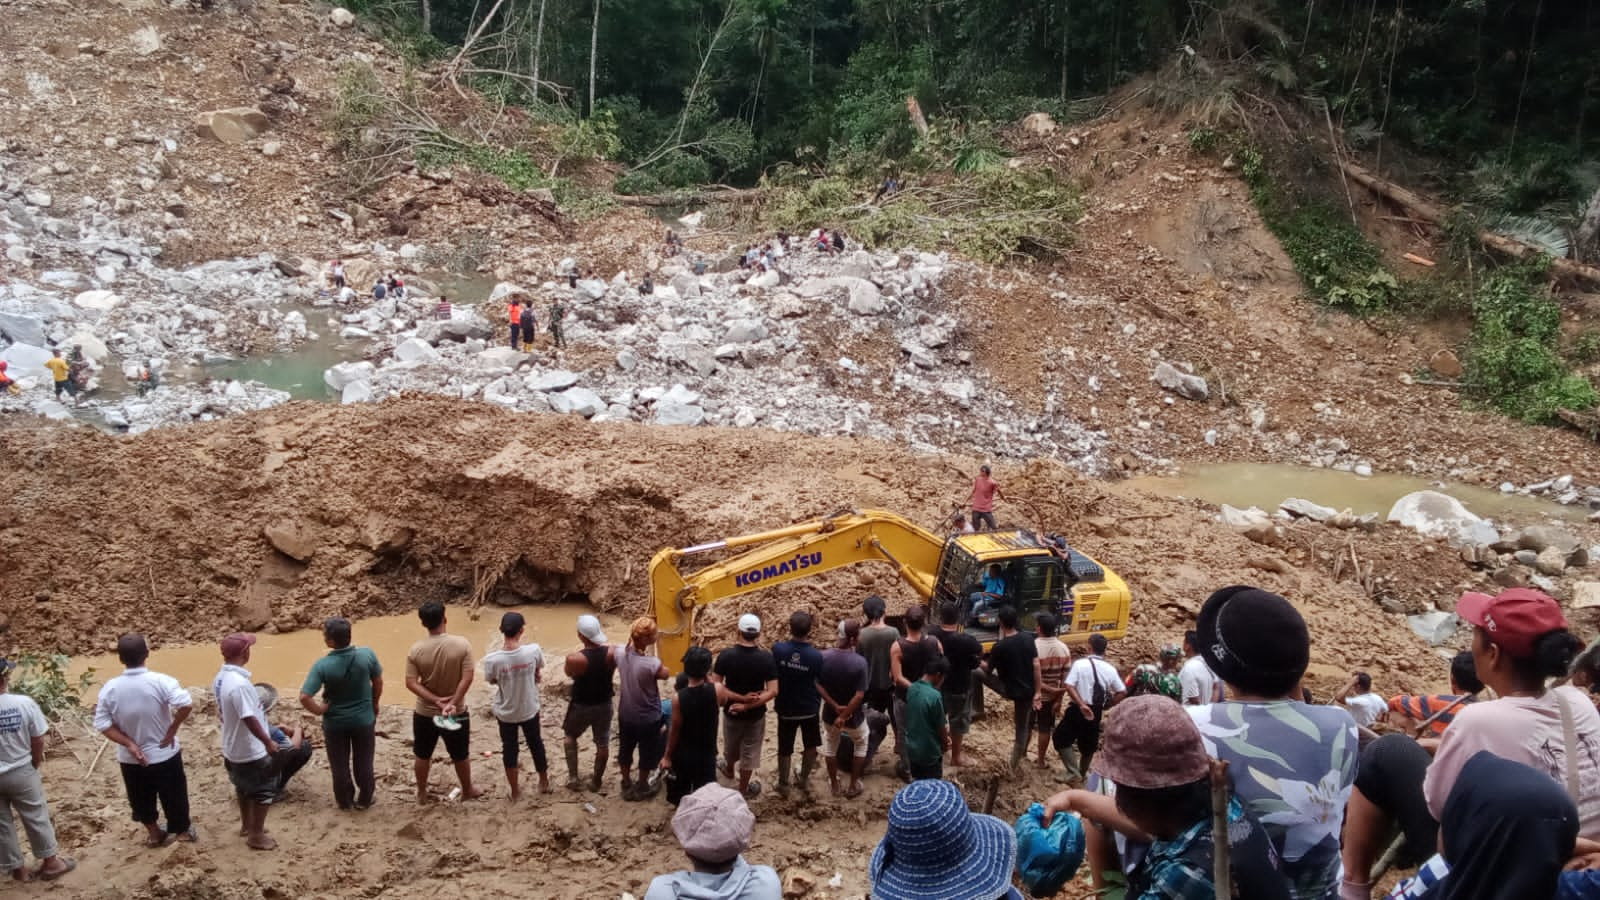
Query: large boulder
point(594, 288)
point(1039, 124)
point(1189, 387)
point(1540, 538)
point(1437, 515)
point(94, 349)
point(25, 361)
point(21, 329)
point(356, 392)
point(232, 126)
point(503, 290)
point(101, 301)
point(581, 401)
point(686, 285)
point(341, 17)
point(671, 412)
point(699, 359)
point(554, 381)
point(745, 331)
point(291, 540)
point(1243, 519)
point(765, 280)
point(1435, 627)
point(866, 299)
point(464, 325)
point(413, 350)
point(341, 376)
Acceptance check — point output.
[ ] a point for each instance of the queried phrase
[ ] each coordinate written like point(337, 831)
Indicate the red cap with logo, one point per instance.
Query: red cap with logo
point(1514, 618)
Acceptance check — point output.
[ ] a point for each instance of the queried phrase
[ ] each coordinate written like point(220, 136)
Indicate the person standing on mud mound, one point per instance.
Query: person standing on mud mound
point(515, 670)
point(691, 758)
point(984, 492)
point(590, 669)
point(799, 668)
point(140, 711)
point(439, 671)
point(639, 677)
point(749, 675)
point(22, 730)
point(351, 682)
point(877, 641)
point(247, 744)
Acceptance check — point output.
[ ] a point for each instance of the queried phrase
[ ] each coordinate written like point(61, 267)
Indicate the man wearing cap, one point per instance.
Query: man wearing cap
point(590, 710)
point(1292, 764)
point(984, 492)
point(247, 744)
point(713, 826)
point(22, 730)
point(936, 847)
point(515, 670)
point(439, 671)
point(140, 711)
point(749, 674)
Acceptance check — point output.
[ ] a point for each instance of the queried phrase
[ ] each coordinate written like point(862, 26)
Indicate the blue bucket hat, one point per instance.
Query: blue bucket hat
point(937, 849)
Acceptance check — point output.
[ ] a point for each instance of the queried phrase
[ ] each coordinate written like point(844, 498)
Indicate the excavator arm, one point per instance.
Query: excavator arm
point(779, 557)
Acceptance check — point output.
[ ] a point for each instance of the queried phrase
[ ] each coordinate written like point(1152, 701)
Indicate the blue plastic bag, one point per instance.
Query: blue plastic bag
point(1048, 856)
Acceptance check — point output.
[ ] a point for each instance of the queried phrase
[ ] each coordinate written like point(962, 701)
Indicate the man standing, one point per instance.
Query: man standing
point(558, 311)
point(351, 682)
point(984, 492)
point(749, 675)
point(1050, 673)
point(530, 326)
point(908, 657)
point(61, 374)
point(247, 744)
point(691, 759)
point(439, 671)
point(1093, 686)
point(1199, 684)
point(514, 314)
point(927, 733)
point(22, 729)
point(1009, 673)
point(515, 671)
point(140, 711)
point(843, 686)
point(639, 675)
point(964, 653)
point(877, 642)
point(590, 708)
point(799, 668)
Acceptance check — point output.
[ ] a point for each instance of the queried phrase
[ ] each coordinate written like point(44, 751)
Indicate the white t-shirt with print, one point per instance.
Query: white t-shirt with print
point(21, 721)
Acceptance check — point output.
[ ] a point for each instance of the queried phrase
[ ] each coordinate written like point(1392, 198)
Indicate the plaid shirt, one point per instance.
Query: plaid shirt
point(1181, 869)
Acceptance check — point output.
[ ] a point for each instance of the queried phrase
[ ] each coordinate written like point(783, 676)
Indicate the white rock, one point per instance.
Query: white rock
point(668, 412)
point(105, 274)
point(692, 220)
point(1561, 484)
point(503, 290)
point(410, 251)
point(1437, 515)
point(416, 350)
point(726, 351)
point(356, 392)
point(271, 148)
point(745, 331)
point(498, 358)
point(866, 299)
point(22, 329)
point(594, 289)
point(1243, 519)
point(1363, 470)
point(745, 417)
point(341, 17)
point(145, 41)
point(1435, 627)
point(1190, 387)
point(627, 360)
point(94, 349)
point(685, 285)
point(62, 279)
point(41, 199)
point(581, 401)
point(1305, 509)
point(555, 380)
point(680, 395)
point(20, 253)
point(960, 391)
point(345, 374)
point(24, 360)
point(1507, 487)
point(235, 391)
point(50, 409)
point(702, 361)
point(764, 280)
point(103, 301)
point(351, 332)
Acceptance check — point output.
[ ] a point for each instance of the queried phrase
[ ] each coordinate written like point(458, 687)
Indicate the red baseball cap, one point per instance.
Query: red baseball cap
point(1514, 618)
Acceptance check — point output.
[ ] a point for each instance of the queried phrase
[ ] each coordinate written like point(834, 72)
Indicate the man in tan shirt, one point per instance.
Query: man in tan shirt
point(439, 671)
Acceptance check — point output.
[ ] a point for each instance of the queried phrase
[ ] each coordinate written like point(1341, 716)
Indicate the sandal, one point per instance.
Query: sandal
point(154, 842)
point(68, 864)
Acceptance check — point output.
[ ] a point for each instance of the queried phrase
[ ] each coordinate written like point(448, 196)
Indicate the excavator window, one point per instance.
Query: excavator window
point(1039, 589)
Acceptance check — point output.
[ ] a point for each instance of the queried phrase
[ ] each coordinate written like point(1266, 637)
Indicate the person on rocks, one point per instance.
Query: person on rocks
point(347, 295)
point(1050, 667)
point(78, 372)
point(713, 826)
point(1009, 672)
point(1164, 677)
point(350, 680)
point(558, 312)
point(1364, 707)
point(1291, 764)
point(749, 676)
point(61, 375)
point(639, 674)
point(927, 729)
point(842, 683)
point(147, 380)
point(380, 289)
point(515, 670)
point(336, 274)
point(9, 384)
point(647, 287)
point(838, 242)
point(1408, 712)
point(22, 731)
point(247, 745)
point(514, 316)
point(877, 641)
point(439, 672)
point(530, 326)
point(1520, 641)
point(590, 669)
point(1198, 685)
point(964, 653)
point(1093, 686)
point(444, 311)
point(984, 492)
point(691, 758)
point(916, 859)
point(398, 290)
point(799, 669)
point(908, 657)
point(1161, 780)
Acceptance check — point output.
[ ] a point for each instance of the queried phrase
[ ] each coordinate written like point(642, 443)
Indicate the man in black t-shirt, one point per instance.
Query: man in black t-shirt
point(749, 674)
point(964, 653)
point(799, 667)
point(1009, 673)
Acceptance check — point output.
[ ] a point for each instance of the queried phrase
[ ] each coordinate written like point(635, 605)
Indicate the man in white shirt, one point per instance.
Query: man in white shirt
point(1200, 684)
point(22, 728)
point(247, 744)
point(140, 711)
point(1094, 686)
point(1366, 706)
point(515, 671)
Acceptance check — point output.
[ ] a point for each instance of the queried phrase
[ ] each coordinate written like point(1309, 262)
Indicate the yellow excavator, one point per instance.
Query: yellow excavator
point(1035, 574)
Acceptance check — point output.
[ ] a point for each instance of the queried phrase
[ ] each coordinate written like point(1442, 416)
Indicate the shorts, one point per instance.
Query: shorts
point(856, 733)
point(425, 737)
point(742, 739)
point(958, 713)
point(1044, 718)
point(69, 387)
point(591, 717)
point(255, 781)
point(810, 729)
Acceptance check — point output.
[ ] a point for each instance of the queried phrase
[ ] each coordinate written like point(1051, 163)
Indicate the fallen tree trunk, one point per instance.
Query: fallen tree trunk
point(684, 198)
point(1419, 206)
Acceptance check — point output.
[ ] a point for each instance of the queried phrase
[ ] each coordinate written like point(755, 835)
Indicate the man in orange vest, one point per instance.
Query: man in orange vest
point(514, 313)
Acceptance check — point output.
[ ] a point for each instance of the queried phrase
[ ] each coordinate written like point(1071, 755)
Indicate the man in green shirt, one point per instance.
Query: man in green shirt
point(351, 682)
point(927, 732)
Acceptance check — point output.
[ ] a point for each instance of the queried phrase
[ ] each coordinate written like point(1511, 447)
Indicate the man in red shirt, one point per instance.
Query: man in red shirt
point(984, 492)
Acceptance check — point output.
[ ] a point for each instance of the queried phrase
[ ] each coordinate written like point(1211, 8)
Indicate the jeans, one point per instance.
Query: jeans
point(530, 733)
point(649, 740)
point(164, 782)
point(350, 754)
point(22, 790)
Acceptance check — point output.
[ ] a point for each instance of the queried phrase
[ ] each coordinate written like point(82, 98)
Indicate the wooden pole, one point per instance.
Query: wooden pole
point(1221, 791)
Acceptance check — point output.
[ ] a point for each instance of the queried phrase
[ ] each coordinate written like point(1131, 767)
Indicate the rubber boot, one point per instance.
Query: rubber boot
point(573, 782)
point(1018, 753)
point(808, 764)
point(783, 775)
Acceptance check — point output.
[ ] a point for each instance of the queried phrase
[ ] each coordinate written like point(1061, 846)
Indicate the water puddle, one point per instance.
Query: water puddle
point(1267, 485)
point(465, 288)
point(298, 371)
point(283, 660)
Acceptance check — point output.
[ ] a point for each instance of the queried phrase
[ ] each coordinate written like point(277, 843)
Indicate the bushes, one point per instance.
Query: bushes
point(44, 678)
point(1512, 359)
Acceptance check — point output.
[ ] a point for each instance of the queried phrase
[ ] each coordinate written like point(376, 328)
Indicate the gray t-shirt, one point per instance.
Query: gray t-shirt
point(639, 702)
point(874, 644)
point(21, 721)
point(514, 673)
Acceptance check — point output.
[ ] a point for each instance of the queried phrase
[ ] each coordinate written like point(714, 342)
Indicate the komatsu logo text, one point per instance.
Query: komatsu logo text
point(774, 570)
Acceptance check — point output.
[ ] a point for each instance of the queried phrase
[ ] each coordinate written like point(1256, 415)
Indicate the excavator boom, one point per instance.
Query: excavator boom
point(784, 555)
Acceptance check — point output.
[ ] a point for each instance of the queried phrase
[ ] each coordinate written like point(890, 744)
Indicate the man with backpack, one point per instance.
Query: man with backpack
point(1094, 686)
point(530, 325)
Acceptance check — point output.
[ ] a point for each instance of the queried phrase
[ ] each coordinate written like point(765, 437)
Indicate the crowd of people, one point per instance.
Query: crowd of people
point(1506, 790)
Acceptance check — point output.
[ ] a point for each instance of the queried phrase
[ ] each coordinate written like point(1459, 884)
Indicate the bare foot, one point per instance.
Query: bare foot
point(422, 796)
point(960, 761)
point(472, 794)
point(833, 784)
point(261, 842)
point(545, 788)
point(515, 796)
